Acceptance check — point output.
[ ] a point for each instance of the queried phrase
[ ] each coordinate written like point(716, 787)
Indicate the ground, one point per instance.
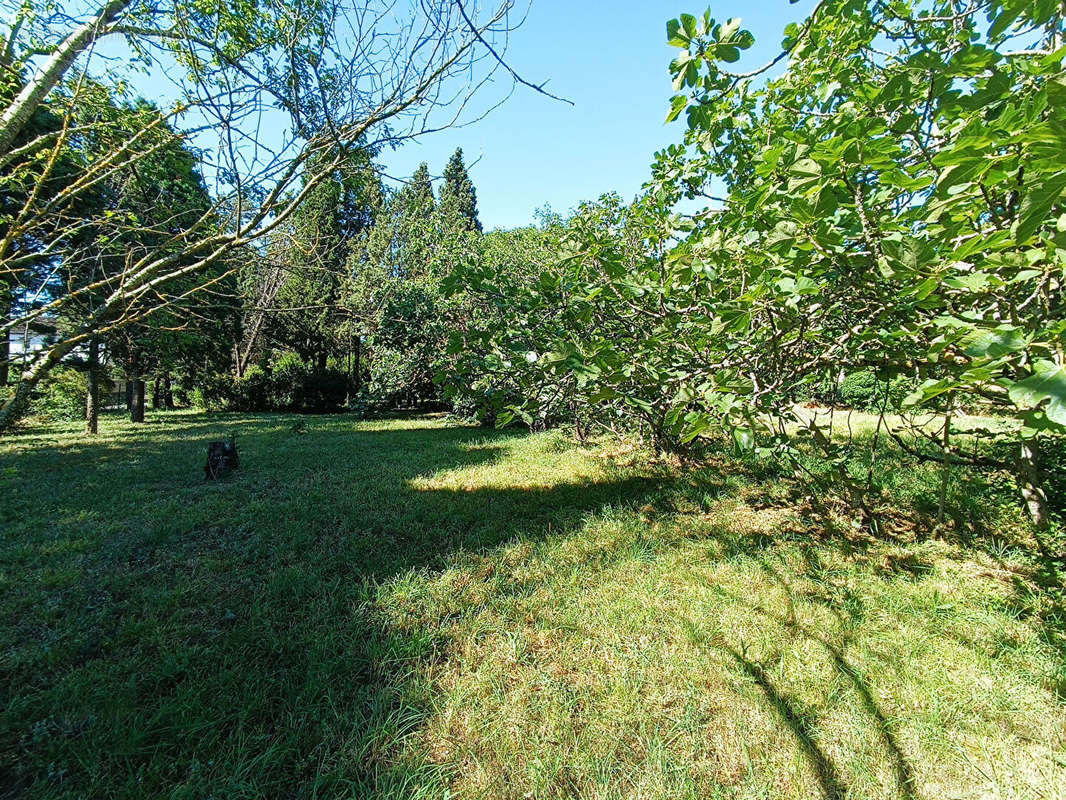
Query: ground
point(414, 608)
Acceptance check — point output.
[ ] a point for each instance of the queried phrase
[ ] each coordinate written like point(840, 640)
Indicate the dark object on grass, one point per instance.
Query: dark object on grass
point(221, 458)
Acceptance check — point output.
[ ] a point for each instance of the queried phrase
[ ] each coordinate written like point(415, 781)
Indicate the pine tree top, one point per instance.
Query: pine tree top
point(459, 189)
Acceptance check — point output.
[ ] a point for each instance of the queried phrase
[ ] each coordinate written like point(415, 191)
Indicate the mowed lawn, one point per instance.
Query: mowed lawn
point(411, 608)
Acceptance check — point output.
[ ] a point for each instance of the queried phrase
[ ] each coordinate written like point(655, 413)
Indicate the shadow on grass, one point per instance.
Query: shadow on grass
point(849, 619)
point(982, 515)
point(163, 635)
point(800, 725)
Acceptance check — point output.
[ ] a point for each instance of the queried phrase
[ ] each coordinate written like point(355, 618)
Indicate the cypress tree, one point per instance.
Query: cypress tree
point(459, 190)
point(416, 198)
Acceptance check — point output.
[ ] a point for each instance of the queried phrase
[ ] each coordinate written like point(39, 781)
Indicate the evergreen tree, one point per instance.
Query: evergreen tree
point(402, 242)
point(335, 213)
point(459, 190)
point(416, 198)
point(394, 295)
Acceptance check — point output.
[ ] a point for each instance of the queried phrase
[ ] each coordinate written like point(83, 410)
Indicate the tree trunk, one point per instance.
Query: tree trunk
point(92, 397)
point(16, 406)
point(135, 387)
point(267, 294)
point(945, 470)
point(320, 362)
point(137, 413)
point(6, 299)
point(1028, 473)
point(157, 393)
point(357, 366)
point(20, 109)
point(168, 393)
point(5, 357)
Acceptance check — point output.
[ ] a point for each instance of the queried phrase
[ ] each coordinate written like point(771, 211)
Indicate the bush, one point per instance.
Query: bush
point(866, 392)
point(481, 406)
point(221, 393)
point(63, 396)
point(861, 390)
point(290, 386)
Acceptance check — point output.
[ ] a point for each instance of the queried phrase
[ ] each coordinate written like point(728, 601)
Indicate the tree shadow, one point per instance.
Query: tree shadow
point(904, 772)
point(799, 723)
point(167, 635)
point(801, 727)
point(982, 516)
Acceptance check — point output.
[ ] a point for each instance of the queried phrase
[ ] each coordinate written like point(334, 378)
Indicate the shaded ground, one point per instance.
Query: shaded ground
point(406, 608)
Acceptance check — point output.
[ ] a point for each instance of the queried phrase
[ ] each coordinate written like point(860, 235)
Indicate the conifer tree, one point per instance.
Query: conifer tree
point(416, 198)
point(335, 213)
point(459, 190)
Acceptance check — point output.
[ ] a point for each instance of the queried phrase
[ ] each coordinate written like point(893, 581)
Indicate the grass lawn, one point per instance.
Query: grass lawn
point(410, 608)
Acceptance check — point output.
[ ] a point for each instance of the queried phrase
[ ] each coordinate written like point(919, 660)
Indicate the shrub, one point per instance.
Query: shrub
point(395, 378)
point(219, 393)
point(290, 386)
point(861, 390)
point(866, 392)
point(62, 398)
point(480, 403)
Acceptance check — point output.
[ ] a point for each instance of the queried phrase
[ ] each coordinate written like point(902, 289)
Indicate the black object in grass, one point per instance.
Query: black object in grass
point(222, 458)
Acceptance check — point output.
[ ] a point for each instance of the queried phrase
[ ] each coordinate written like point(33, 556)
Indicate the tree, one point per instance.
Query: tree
point(402, 242)
point(904, 217)
point(394, 298)
point(158, 197)
point(323, 230)
point(324, 75)
point(458, 189)
point(890, 200)
point(507, 308)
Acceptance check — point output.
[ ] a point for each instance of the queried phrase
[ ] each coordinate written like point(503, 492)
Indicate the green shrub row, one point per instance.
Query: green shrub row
point(289, 386)
point(863, 391)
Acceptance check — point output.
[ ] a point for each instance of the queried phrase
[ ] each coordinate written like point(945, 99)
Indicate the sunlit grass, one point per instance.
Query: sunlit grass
point(407, 608)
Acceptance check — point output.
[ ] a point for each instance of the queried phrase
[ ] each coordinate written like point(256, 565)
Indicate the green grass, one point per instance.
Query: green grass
point(409, 608)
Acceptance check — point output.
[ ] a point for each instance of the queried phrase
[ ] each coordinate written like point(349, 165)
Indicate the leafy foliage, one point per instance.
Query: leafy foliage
point(864, 390)
point(394, 296)
point(289, 386)
point(888, 204)
point(62, 397)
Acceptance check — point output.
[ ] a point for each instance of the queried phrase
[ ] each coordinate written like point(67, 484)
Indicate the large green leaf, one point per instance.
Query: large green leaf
point(675, 36)
point(1048, 382)
point(729, 29)
point(1037, 204)
point(929, 389)
point(677, 105)
point(690, 24)
point(993, 344)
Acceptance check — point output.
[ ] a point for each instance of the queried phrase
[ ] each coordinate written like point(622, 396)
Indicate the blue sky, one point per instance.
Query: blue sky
point(612, 60)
